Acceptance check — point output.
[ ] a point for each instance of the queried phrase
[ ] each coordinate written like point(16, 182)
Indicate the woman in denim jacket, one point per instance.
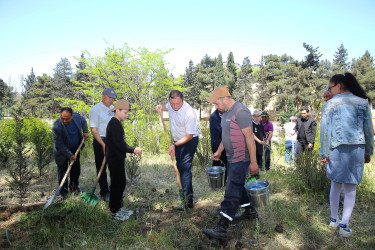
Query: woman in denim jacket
point(347, 141)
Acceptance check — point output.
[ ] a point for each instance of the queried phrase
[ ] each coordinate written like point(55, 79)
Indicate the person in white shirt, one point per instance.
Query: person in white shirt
point(290, 139)
point(99, 118)
point(184, 129)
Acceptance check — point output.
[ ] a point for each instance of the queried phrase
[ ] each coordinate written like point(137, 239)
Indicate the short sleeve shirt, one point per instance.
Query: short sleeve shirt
point(267, 128)
point(99, 117)
point(232, 123)
point(183, 121)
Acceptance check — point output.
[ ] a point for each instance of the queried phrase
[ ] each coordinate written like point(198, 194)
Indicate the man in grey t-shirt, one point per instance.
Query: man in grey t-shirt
point(238, 142)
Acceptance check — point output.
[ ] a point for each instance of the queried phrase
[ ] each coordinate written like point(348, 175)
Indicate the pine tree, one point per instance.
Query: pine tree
point(340, 64)
point(232, 73)
point(219, 72)
point(312, 59)
point(28, 83)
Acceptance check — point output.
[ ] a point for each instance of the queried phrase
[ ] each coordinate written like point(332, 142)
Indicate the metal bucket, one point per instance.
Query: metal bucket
point(258, 192)
point(215, 176)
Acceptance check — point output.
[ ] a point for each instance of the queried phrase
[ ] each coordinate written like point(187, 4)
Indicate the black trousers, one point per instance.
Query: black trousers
point(303, 147)
point(99, 156)
point(75, 172)
point(118, 183)
point(223, 162)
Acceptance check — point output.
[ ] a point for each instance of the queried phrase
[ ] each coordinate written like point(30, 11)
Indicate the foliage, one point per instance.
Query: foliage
point(219, 72)
point(231, 73)
point(20, 170)
point(244, 92)
point(203, 155)
point(30, 80)
point(7, 97)
point(290, 111)
point(40, 136)
point(132, 166)
point(6, 141)
point(312, 172)
point(340, 61)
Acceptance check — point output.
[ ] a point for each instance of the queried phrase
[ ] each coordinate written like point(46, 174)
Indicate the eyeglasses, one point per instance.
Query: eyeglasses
point(329, 89)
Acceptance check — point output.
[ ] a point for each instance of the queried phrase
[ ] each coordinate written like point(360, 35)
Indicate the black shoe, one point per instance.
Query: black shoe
point(77, 191)
point(250, 213)
point(105, 197)
point(63, 196)
point(185, 205)
point(220, 232)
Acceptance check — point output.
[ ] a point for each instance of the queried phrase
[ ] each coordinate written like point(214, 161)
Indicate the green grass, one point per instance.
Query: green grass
point(302, 214)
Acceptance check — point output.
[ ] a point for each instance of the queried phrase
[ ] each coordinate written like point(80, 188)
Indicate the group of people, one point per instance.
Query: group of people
point(240, 142)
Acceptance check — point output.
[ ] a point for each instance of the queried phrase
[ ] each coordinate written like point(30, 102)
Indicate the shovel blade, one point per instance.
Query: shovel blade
point(90, 198)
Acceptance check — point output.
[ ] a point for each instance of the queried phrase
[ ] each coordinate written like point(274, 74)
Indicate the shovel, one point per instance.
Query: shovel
point(173, 160)
point(91, 198)
point(63, 180)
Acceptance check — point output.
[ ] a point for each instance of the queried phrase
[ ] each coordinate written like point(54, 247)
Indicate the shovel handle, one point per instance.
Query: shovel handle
point(100, 171)
point(172, 157)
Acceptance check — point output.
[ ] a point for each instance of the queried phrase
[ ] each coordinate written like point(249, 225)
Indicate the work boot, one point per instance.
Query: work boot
point(250, 213)
point(220, 231)
point(185, 205)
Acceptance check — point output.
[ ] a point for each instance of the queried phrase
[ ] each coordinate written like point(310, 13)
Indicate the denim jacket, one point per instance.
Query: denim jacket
point(346, 119)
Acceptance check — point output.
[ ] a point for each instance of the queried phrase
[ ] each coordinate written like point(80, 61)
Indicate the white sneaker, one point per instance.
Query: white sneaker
point(344, 230)
point(126, 212)
point(333, 223)
point(119, 216)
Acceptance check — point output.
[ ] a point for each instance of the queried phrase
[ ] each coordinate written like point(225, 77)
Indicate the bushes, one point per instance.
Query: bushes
point(6, 141)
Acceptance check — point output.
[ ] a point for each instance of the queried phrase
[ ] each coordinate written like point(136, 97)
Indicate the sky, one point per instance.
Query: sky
point(37, 34)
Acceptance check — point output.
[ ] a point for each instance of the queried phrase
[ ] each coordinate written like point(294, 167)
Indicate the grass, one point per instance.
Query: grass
point(296, 218)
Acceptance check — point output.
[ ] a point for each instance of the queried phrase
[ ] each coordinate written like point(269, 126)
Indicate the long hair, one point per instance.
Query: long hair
point(349, 82)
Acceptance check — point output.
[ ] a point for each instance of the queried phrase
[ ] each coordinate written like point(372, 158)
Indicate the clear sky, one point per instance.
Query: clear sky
point(38, 33)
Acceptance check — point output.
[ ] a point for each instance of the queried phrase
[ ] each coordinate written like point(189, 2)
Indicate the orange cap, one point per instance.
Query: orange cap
point(217, 93)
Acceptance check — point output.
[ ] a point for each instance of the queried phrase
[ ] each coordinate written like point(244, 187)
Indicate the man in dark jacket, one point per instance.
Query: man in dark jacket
point(67, 135)
point(215, 133)
point(306, 131)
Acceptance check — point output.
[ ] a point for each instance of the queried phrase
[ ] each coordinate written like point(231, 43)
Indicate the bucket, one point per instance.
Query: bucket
point(257, 192)
point(215, 176)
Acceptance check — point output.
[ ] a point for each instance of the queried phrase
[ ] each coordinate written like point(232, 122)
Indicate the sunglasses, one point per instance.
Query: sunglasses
point(329, 89)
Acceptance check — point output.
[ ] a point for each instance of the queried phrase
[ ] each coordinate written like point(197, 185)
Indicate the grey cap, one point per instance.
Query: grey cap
point(109, 92)
point(257, 112)
point(292, 118)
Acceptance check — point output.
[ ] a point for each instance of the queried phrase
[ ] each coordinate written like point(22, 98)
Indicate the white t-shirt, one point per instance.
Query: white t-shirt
point(183, 121)
point(290, 133)
point(99, 118)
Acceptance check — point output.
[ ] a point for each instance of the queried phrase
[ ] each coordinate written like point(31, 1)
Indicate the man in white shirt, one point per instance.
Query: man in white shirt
point(99, 118)
point(184, 130)
point(290, 139)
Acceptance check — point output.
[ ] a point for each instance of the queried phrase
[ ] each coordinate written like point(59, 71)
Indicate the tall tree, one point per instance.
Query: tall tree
point(62, 77)
point(363, 69)
point(245, 81)
point(312, 58)
point(232, 73)
point(219, 72)
point(28, 83)
point(42, 97)
point(340, 64)
point(7, 97)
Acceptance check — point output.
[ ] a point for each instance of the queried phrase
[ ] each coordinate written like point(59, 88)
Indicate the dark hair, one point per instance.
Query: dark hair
point(349, 82)
point(176, 93)
point(307, 110)
point(70, 110)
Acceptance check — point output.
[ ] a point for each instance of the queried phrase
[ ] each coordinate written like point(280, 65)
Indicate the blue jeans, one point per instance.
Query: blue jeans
point(267, 157)
point(235, 192)
point(289, 144)
point(184, 157)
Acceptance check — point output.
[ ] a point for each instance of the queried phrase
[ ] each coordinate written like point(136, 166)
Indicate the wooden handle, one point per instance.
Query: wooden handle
point(172, 157)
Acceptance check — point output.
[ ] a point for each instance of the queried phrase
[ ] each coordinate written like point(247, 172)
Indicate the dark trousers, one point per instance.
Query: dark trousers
point(267, 157)
point(99, 156)
point(118, 184)
point(223, 162)
point(235, 192)
point(75, 172)
point(303, 147)
point(184, 157)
